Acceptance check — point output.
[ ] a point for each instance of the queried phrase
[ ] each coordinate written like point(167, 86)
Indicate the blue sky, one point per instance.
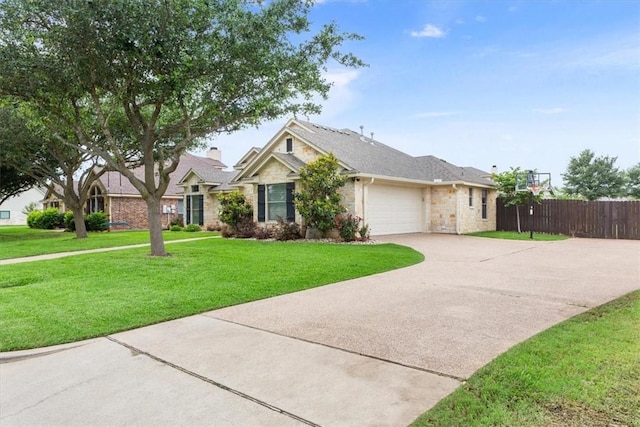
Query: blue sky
point(477, 83)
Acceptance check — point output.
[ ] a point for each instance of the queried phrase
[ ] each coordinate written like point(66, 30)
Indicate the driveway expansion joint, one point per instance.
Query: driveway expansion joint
point(238, 393)
point(369, 356)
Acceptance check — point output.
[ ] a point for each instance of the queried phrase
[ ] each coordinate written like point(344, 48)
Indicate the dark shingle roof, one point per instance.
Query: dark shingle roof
point(116, 183)
point(368, 156)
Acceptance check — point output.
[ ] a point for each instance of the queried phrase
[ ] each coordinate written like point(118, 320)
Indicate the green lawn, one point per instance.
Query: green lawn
point(582, 372)
point(21, 241)
point(513, 235)
point(68, 299)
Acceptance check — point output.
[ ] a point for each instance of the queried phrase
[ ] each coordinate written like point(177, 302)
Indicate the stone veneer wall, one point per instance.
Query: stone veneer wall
point(471, 216)
point(443, 209)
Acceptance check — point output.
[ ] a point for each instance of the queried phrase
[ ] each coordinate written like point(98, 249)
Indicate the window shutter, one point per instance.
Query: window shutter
point(261, 211)
point(291, 209)
point(188, 210)
point(201, 210)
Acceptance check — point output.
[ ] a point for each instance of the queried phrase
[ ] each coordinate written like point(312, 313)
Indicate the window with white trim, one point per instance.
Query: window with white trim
point(5, 214)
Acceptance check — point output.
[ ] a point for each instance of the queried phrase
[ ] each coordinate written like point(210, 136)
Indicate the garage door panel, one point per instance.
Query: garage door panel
point(394, 210)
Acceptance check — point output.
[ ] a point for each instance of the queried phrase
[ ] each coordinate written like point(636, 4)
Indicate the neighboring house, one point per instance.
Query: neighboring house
point(125, 208)
point(390, 190)
point(11, 209)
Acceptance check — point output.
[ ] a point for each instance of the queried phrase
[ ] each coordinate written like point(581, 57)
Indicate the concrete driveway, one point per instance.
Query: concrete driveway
point(378, 350)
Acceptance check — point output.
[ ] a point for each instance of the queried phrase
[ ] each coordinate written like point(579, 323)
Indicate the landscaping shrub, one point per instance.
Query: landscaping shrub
point(287, 230)
point(213, 227)
point(96, 221)
point(364, 232)
point(227, 231)
point(236, 212)
point(192, 228)
point(318, 200)
point(175, 228)
point(245, 228)
point(348, 226)
point(177, 221)
point(47, 219)
point(69, 222)
point(262, 233)
point(33, 219)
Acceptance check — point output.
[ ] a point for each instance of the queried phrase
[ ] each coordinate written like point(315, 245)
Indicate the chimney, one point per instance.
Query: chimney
point(494, 169)
point(214, 153)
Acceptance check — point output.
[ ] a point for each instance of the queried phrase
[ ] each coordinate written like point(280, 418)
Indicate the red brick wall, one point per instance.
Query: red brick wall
point(133, 211)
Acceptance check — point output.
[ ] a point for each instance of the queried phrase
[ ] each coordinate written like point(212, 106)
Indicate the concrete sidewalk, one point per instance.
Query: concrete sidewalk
point(374, 351)
point(92, 251)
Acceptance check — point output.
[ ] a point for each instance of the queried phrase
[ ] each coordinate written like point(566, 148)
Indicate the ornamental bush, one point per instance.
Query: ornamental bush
point(348, 226)
point(318, 200)
point(47, 219)
point(96, 221)
point(235, 211)
point(192, 228)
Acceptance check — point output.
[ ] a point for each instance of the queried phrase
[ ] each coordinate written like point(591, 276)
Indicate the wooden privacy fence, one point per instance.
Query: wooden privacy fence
point(608, 220)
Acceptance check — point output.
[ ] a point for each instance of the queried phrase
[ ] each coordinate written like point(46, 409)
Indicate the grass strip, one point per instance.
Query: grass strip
point(514, 235)
point(21, 241)
point(52, 302)
point(582, 372)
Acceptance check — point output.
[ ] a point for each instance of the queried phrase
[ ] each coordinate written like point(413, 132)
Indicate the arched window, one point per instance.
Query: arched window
point(95, 203)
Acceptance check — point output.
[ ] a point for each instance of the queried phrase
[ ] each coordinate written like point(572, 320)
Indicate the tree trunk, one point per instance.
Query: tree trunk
point(154, 216)
point(78, 219)
point(518, 218)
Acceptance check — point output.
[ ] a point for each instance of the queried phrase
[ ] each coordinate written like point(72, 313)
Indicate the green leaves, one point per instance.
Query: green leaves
point(318, 200)
point(593, 177)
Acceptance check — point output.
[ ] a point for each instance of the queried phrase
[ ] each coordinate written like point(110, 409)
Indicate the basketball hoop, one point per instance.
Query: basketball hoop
point(535, 189)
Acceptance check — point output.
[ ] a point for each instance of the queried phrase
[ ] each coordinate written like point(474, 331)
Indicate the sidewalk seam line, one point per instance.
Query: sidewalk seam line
point(214, 383)
point(381, 359)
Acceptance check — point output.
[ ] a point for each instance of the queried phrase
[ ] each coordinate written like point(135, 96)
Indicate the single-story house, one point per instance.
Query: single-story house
point(11, 210)
point(391, 191)
point(114, 195)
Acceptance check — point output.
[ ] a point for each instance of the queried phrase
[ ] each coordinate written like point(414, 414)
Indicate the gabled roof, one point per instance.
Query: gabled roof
point(360, 155)
point(218, 180)
point(251, 154)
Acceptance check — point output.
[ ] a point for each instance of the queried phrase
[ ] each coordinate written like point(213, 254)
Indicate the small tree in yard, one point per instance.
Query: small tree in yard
point(234, 209)
point(506, 187)
point(318, 200)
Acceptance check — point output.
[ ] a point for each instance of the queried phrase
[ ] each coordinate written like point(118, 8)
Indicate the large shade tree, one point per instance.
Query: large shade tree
point(50, 158)
point(160, 75)
point(593, 177)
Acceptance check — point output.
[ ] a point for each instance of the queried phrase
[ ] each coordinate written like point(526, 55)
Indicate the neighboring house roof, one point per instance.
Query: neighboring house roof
point(218, 180)
point(116, 183)
point(361, 155)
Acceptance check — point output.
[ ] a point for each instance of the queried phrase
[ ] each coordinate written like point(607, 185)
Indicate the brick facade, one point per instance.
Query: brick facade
point(133, 211)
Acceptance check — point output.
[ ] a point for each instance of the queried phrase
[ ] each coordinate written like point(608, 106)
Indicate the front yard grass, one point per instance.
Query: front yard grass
point(57, 301)
point(582, 372)
point(21, 241)
point(514, 235)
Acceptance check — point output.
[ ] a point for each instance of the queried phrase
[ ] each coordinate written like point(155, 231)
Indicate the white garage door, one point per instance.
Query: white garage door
point(394, 210)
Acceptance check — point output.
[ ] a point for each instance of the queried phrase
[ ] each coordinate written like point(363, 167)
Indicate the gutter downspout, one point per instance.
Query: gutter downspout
point(457, 210)
point(364, 204)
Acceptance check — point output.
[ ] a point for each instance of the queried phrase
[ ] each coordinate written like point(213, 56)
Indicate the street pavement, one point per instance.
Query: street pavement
point(373, 351)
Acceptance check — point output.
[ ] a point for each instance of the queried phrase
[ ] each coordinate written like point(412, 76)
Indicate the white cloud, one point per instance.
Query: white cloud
point(429, 30)
point(554, 110)
point(480, 18)
point(459, 21)
point(434, 114)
